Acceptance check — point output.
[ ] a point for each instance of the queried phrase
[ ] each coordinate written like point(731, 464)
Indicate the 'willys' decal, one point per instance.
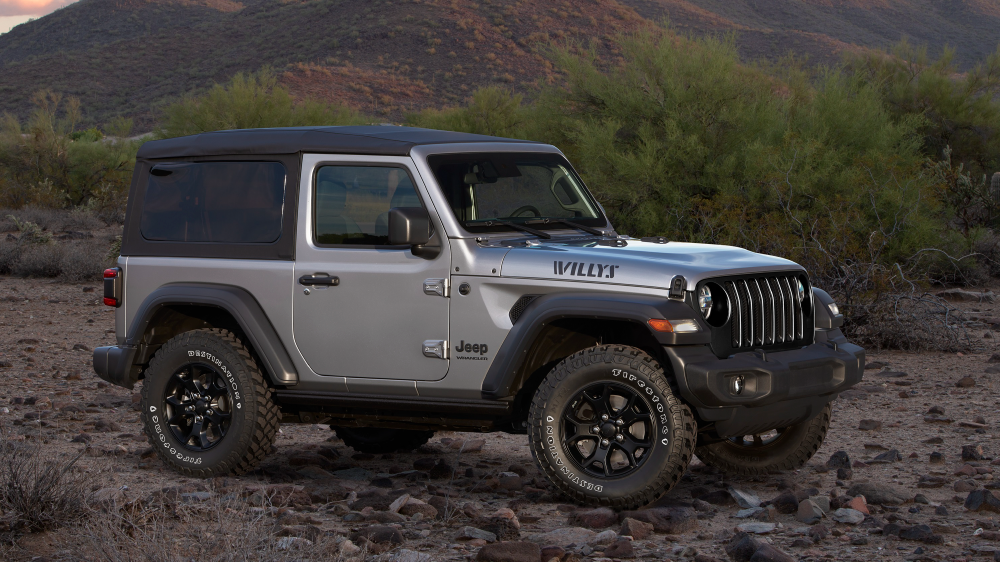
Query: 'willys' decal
point(580, 269)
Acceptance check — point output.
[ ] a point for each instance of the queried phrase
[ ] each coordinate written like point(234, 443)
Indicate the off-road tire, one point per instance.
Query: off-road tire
point(790, 450)
point(377, 440)
point(255, 416)
point(672, 423)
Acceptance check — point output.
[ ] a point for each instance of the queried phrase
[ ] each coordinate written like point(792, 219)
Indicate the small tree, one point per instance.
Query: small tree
point(250, 101)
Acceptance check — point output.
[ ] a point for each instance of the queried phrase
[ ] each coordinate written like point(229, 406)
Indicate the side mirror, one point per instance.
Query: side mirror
point(409, 226)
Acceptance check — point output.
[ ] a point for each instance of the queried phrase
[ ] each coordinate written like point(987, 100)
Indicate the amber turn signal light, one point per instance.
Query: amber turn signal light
point(660, 325)
point(677, 326)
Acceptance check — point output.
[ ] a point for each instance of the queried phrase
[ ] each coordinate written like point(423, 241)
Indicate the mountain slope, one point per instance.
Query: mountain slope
point(388, 57)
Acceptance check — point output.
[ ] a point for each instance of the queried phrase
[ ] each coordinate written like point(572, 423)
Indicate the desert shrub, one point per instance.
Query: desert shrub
point(47, 162)
point(38, 490)
point(250, 101)
point(492, 110)
point(83, 261)
point(10, 254)
point(141, 531)
point(40, 260)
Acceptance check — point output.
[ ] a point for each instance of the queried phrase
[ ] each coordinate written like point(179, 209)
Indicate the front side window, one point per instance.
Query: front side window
point(535, 189)
point(352, 203)
point(214, 202)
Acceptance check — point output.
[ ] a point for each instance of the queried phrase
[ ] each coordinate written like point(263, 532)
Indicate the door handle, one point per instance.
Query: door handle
point(323, 279)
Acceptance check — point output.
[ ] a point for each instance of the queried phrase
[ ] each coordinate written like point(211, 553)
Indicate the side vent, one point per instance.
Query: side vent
point(518, 309)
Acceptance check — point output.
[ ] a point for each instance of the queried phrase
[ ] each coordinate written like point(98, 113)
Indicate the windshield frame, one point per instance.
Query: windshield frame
point(429, 159)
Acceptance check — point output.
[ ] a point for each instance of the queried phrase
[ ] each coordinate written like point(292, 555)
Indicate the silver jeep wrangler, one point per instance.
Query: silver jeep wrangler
point(392, 281)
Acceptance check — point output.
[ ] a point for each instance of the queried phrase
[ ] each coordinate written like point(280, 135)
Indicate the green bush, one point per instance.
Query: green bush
point(250, 101)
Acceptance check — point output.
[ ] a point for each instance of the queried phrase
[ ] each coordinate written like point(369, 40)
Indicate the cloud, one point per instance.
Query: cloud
point(31, 7)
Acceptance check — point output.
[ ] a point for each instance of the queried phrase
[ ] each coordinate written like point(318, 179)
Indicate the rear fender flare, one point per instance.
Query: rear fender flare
point(240, 304)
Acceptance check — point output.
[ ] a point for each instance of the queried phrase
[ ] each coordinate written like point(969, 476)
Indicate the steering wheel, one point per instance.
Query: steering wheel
point(524, 208)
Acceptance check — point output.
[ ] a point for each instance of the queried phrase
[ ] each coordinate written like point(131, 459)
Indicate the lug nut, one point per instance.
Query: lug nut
point(618, 421)
point(604, 442)
point(619, 438)
point(209, 412)
point(595, 429)
point(604, 417)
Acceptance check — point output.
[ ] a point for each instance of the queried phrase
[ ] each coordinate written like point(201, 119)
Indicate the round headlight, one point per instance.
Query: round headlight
point(800, 289)
point(705, 300)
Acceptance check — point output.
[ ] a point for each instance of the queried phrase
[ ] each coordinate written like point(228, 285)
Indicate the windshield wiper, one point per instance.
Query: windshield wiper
point(587, 229)
point(520, 227)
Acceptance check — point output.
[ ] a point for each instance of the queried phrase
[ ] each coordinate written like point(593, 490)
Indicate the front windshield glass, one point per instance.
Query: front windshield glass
point(532, 189)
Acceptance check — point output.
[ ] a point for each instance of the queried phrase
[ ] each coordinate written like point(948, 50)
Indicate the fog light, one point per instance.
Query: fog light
point(736, 385)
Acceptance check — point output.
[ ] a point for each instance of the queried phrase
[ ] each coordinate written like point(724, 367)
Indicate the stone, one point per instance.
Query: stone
point(744, 499)
point(889, 456)
point(550, 552)
point(982, 500)
point(666, 520)
point(757, 528)
point(717, 497)
point(749, 512)
point(503, 523)
point(929, 481)
point(844, 474)
point(636, 529)
point(839, 460)
point(822, 501)
point(973, 453)
point(406, 555)
point(398, 503)
point(769, 553)
point(921, 533)
point(379, 534)
point(309, 458)
point(786, 503)
point(875, 365)
point(809, 512)
point(468, 533)
point(963, 486)
point(290, 543)
point(310, 532)
point(414, 506)
point(818, 532)
point(859, 503)
point(468, 445)
point(937, 419)
point(595, 518)
point(620, 549)
point(965, 382)
point(870, 425)
point(848, 515)
point(565, 537)
point(514, 551)
point(957, 294)
point(354, 474)
point(936, 458)
point(604, 537)
point(742, 547)
point(880, 494)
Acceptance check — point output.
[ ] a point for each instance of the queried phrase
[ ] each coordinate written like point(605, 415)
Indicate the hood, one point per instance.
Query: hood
point(643, 264)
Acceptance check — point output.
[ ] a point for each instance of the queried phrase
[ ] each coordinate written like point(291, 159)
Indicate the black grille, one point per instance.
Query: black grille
point(518, 309)
point(765, 311)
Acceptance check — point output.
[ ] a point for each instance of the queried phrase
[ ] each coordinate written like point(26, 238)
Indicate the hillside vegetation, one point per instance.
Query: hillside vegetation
point(386, 58)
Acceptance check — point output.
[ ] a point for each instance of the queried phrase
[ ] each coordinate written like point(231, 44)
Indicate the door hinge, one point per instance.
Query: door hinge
point(437, 287)
point(436, 348)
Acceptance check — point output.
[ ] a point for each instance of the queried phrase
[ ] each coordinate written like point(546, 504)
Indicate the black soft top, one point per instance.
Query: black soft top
point(379, 140)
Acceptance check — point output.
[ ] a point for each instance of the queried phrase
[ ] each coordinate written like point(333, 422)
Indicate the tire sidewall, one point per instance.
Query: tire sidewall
point(206, 349)
point(560, 460)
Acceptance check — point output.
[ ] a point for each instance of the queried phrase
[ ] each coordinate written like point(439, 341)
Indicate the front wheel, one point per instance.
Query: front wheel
point(206, 407)
point(779, 449)
point(606, 429)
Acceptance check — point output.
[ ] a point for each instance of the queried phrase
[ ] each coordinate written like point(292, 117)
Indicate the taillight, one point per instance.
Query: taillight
point(113, 286)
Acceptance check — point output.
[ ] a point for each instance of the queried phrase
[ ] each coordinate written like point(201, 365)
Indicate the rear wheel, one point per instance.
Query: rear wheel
point(606, 429)
point(380, 440)
point(778, 449)
point(206, 407)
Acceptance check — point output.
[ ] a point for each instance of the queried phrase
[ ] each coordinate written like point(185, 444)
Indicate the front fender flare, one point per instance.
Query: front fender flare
point(607, 306)
point(239, 303)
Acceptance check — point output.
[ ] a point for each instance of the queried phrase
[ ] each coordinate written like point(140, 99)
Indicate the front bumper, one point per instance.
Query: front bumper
point(114, 364)
point(779, 389)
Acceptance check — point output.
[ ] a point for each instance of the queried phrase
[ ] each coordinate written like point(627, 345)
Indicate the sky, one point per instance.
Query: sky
point(13, 12)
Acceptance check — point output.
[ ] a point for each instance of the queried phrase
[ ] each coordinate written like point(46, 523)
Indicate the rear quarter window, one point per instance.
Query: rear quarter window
point(214, 202)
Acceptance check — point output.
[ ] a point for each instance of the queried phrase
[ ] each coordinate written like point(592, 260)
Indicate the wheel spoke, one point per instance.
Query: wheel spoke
point(603, 456)
point(216, 388)
point(758, 440)
point(175, 402)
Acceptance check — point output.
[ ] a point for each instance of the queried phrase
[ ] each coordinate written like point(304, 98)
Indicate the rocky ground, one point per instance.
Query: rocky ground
point(905, 472)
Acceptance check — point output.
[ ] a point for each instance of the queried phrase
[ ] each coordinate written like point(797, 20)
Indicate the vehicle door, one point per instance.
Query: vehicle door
point(364, 308)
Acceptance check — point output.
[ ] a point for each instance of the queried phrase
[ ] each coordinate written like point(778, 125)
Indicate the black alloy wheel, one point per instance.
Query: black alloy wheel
point(607, 429)
point(199, 406)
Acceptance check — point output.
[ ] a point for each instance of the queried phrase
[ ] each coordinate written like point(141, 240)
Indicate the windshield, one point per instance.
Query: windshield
point(532, 189)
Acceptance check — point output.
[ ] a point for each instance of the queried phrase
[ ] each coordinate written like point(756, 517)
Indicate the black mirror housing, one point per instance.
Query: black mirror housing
point(409, 226)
